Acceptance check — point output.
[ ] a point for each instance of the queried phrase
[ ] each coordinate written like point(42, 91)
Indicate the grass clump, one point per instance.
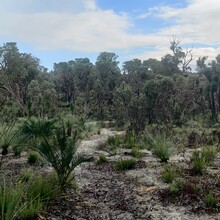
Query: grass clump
point(114, 141)
point(33, 157)
point(161, 149)
point(209, 154)
point(135, 152)
point(102, 159)
point(169, 174)
point(177, 185)
point(10, 200)
point(198, 162)
point(211, 200)
point(127, 164)
point(129, 139)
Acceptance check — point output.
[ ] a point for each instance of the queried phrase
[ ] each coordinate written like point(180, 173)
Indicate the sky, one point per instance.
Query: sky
point(62, 30)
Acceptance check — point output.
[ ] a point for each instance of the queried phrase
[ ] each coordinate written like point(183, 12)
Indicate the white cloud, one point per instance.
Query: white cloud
point(80, 25)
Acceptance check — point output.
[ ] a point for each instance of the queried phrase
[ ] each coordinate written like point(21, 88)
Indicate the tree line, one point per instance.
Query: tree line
point(148, 91)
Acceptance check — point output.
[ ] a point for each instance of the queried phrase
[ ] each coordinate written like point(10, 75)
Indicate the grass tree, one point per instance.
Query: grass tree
point(60, 152)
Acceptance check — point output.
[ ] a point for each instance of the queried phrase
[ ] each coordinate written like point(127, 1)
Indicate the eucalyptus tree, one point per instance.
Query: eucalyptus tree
point(179, 61)
point(42, 96)
point(108, 78)
point(65, 81)
point(84, 73)
point(212, 73)
point(16, 72)
point(159, 94)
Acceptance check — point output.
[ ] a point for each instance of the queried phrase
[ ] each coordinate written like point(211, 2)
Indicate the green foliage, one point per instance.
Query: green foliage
point(60, 152)
point(102, 159)
point(209, 154)
point(114, 141)
point(127, 164)
point(177, 185)
point(8, 134)
point(27, 197)
point(135, 152)
point(31, 209)
point(161, 149)
point(211, 200)
point(169, 174)
point(42, 188)
point(10, 200)
point(33, 157)
point(199, 164)
point(38, 128)
point(129, 140)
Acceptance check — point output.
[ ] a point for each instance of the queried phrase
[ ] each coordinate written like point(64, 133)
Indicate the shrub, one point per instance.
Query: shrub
point(33, 157)
point(10, 200)
point(135, 152)
point(209, 155)
point(198, 163)
point(176, 185)
point(129, 140)
point(211, 200)
point(31, 209)
point(42, 188)
point(169, 174)
point(114, 141)
point(60, 151)
point(161, 150)
point(125, 164)
point(102, 159)
point(17, 151)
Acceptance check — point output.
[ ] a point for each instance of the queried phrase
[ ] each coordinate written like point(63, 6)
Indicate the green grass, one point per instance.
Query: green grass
point(135, 152)
point(102, 159)
point(198, 163)
point(169, 174)
point(211, 200)
point(127, 164)
point(33, 157)
point(161, 149)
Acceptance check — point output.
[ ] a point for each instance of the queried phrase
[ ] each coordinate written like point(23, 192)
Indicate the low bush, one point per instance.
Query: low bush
point(161, 149)
point(129, 139)
point(102, 159)
point(177, 185)
point(125, 164)
point(169, 174)
point(114, 141)
point(33, 157)
point(209, 154)
point(198, 163)
point(211, 200)
point(135, 152)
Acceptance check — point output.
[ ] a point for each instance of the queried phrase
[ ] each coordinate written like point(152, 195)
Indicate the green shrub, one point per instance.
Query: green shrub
point(31, 209)
point(125, 164)
point(129, 139)
point(102, 159)
point(26, 175)
point(209, 154)
point(161, 150)
point(42, 188)
point(114, 141)
point(169, 174)
point(33, 157)
point(60, 151)
point(135, 152)
point(10, 200)
point(17, 151)
point(177, 185)
point(211, 200)
point(199, 164)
